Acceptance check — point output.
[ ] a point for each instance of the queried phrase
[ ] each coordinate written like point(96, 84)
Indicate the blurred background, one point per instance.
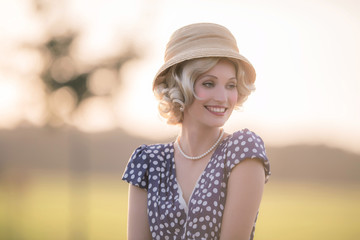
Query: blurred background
point(76, 100)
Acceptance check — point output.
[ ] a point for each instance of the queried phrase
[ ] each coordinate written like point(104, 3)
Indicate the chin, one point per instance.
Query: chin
point(217, 124)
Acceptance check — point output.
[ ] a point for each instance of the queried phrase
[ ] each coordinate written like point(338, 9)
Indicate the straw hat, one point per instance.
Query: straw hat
point(203, 40)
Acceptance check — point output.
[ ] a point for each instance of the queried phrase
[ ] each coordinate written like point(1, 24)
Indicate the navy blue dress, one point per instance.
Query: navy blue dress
point(153, 168)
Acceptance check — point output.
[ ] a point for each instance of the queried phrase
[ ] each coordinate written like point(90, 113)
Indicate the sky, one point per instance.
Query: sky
point(306, 54)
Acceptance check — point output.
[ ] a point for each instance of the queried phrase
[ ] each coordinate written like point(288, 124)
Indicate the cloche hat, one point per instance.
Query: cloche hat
point(203, 40)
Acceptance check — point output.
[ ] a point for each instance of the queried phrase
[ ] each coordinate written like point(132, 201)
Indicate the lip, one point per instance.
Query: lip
point(216, 110)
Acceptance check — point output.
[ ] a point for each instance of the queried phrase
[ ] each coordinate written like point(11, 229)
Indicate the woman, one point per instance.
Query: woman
point(207, 184)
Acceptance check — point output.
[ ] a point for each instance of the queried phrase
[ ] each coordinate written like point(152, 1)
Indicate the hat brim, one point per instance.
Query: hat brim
point(250, 73)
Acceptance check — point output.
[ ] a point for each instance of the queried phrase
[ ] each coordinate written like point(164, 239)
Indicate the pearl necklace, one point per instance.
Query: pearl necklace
point(205, 153)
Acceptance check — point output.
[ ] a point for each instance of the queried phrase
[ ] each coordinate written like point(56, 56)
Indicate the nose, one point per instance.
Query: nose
point(220, 94)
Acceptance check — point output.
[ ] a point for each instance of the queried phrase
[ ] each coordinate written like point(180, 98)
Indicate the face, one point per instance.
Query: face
point(217, 95)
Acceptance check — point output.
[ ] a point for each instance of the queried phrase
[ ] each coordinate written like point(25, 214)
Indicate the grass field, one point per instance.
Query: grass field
point(57, 207)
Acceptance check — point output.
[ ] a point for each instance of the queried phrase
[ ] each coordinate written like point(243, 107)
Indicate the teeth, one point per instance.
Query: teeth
point(216, 109)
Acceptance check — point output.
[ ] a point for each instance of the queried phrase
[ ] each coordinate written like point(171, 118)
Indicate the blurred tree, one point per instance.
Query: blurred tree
point(68, 83)
point(61, 75)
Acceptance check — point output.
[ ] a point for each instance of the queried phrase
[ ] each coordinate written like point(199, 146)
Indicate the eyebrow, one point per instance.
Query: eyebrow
point(209, 75)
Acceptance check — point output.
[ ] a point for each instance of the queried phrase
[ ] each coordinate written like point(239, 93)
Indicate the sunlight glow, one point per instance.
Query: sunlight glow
point(306, 55)
point(95, 115)
point(10, 92)
point(136, 105)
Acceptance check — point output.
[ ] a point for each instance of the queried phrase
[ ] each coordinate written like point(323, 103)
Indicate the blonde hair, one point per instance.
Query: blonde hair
point(176, 88)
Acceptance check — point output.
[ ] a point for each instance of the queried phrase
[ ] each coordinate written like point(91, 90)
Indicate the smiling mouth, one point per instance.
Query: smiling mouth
point(218, 110)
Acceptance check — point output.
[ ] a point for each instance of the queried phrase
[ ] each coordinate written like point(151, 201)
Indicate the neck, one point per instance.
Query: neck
point(195, 141)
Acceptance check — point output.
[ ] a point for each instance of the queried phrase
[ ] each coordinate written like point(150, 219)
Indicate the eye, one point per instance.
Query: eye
point(208, 84)
point(231, 85)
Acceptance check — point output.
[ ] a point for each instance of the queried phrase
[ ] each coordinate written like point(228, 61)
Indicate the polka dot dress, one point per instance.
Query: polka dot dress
point(153, 168)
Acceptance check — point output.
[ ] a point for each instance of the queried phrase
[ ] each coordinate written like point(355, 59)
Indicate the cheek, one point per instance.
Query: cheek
point(233, 97)
point(201, 93)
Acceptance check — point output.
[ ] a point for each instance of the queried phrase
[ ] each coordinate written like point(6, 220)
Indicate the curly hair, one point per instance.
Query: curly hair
point(176, 88)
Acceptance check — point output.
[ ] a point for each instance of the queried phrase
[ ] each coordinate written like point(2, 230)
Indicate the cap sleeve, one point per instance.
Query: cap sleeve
point(136, 172)
point(246, 144)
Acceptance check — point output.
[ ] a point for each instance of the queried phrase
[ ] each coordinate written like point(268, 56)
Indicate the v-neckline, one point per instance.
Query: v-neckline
point(179, 189)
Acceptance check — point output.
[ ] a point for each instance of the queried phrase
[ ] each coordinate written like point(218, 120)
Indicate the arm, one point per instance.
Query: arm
point(138, 224)
point(245, 188)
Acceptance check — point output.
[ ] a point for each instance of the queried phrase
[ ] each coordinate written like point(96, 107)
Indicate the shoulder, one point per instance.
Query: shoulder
point(245, 144)
point(147, 153)
point(145, 161)
point(245, 136)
